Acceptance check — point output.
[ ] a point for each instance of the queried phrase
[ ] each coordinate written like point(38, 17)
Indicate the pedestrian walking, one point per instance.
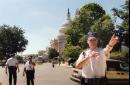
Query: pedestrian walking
point(53, 64)
point(93, 60)
point(29, 69)
point(59, 61)
point(12, 66)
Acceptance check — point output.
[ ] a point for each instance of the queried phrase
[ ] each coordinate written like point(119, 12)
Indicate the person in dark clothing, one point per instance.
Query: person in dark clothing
point(29, 69)
point(12, 65)
point(53, 64)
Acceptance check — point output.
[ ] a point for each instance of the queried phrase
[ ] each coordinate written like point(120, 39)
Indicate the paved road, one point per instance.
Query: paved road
point(45, 75)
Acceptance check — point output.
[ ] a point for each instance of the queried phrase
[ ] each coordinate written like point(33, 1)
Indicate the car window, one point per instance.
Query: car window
point(114, 66)
point(124, 66)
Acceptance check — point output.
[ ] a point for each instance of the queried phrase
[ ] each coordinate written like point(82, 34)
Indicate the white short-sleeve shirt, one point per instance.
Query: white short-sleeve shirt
point(95, 68)
point(29, 66)
point(11, 62)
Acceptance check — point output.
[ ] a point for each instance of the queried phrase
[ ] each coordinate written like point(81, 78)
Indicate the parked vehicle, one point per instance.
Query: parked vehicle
point(116, 73)
point(71, 61)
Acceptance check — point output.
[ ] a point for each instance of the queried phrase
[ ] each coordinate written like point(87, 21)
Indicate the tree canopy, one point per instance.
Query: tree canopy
point(71, 52)
point(12, 40)
point(123, 14)
point(52, 53)
point(92, 17)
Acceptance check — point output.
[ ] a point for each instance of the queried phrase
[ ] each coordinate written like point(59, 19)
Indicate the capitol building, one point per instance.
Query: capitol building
point(60, 41)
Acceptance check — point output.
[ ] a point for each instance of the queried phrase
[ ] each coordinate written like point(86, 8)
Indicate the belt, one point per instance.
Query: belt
point(29, 70)
point(12, 66)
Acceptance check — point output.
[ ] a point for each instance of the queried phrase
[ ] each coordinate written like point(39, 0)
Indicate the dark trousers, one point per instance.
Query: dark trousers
point(30, 77)
point(93, 81)
point(12, 73)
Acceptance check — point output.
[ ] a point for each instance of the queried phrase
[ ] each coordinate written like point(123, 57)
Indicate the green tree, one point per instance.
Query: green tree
point(81, 25)
point(88, 15)
point(123, 14)
point(72, 36)
point(103, 27)
point(19, 58)
point(52, 53)
point(83, 42)
point(12, 40)
point(92, 17)
point(71, 52)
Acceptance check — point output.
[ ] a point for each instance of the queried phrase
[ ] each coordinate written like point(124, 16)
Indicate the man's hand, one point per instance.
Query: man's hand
point(17, 66)
point(34, 77)
point(95, 55)
point(18, 70)
point(114, 40)
point(23, 74)
point(6, 72)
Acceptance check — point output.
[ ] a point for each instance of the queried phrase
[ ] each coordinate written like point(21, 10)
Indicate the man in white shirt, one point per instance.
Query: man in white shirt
point(12, 65)
point(29, 69)
point(93, 60)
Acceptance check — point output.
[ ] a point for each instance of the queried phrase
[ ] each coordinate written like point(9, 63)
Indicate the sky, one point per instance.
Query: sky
point(42, 19)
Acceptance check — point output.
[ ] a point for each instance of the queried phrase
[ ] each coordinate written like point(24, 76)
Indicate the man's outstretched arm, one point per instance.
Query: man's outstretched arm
point(113, 41)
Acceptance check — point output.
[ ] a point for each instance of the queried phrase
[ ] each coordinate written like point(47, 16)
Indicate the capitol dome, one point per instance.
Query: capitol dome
point(65, 23)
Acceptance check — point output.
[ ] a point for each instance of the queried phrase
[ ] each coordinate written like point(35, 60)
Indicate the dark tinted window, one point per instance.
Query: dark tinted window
point(114, 66)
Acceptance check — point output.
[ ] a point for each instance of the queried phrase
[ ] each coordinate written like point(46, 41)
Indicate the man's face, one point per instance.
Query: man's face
point(30, 59)
point(92, 42)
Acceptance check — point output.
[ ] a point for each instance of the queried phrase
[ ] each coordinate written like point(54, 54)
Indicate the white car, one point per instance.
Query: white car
point(116, 73)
